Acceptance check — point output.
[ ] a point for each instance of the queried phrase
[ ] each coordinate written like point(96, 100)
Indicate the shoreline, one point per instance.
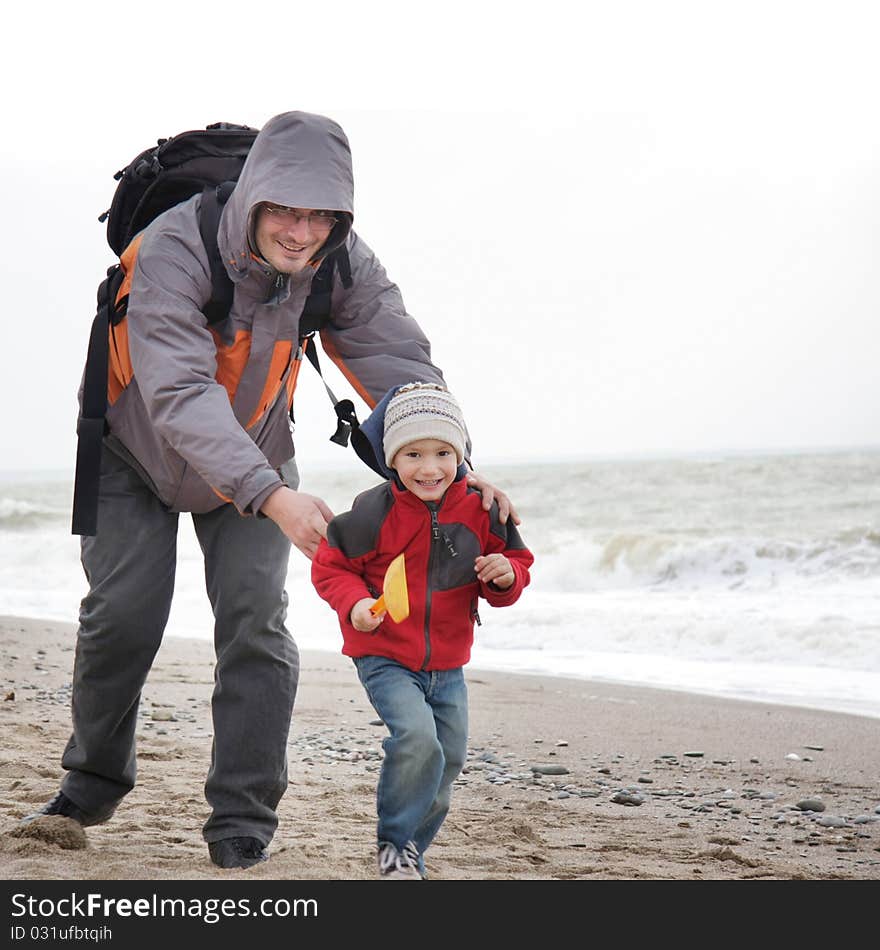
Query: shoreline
point(715, 783)
point(611, 681)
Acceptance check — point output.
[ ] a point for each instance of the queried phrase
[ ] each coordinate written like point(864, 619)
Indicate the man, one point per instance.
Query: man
point(198, 422)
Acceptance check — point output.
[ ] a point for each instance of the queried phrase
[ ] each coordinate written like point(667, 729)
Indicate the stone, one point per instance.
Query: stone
point(694, 755)
point(831, 821)
point(163, 715)
point(549, 769)
point(810, 804)
point(377, 722)
point(793, 756)
point(815, 748)
point(624, 797)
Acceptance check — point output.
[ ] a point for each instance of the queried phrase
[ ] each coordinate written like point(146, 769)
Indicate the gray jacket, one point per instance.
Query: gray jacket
point(202, 411)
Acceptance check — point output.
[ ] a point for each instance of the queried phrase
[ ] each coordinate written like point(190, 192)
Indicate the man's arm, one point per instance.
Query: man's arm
point(303, 518)
point(376, 344)
point(372, 339)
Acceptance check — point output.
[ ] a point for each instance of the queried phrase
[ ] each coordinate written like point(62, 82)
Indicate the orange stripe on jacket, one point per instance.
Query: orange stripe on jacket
point(333, 353)
point(231, 360)
point(277, 369)
point(119, 369)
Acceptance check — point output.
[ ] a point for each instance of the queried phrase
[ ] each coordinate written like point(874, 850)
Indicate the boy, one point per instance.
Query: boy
point(412, 670)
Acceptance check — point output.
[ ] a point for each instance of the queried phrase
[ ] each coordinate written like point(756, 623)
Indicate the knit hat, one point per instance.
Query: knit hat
point(423, 411)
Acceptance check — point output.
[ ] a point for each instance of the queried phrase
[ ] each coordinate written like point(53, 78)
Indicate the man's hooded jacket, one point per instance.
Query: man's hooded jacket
point(202, 412)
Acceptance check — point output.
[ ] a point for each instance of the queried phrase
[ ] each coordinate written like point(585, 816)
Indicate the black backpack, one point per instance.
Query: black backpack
point(207, 161)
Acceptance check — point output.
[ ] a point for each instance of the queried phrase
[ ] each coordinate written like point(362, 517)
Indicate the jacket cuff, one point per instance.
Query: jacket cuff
point(258, 500)
point(499, 597)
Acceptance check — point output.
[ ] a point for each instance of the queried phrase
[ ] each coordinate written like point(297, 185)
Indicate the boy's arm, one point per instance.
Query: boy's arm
point(339, 580)
point(504, 539)
point(340, 563)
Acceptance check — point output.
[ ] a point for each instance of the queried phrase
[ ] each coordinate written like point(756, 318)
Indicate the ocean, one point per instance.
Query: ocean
point(746, 576)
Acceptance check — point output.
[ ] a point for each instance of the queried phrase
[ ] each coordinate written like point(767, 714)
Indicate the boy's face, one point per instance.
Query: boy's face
point(426, 468)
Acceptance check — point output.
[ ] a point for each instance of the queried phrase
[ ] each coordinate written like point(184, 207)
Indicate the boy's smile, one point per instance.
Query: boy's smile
point(426, 468)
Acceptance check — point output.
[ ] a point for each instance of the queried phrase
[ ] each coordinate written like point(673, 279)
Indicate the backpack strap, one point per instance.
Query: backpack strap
point(222, 289)
point(91, 425)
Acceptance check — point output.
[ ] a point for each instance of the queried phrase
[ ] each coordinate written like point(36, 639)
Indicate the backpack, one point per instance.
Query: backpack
point(207, 161)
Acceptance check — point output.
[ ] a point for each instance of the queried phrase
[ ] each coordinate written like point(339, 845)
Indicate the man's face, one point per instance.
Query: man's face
point(288, 238)
point(426, 468)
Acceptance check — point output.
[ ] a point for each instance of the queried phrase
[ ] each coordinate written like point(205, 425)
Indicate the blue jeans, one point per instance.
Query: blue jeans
point(426, 716)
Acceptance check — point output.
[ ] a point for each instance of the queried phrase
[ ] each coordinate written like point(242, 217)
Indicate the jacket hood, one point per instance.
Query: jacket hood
point(299, 160)
point(369, 445)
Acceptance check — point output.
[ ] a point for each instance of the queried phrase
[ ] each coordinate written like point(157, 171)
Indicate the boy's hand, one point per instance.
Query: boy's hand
point(495, 569)
point(362, 617)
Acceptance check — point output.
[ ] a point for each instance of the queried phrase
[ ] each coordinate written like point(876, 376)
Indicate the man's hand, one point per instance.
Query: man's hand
point(363, 619)
point(490, 493)
point(303, 518)
point(495, 569)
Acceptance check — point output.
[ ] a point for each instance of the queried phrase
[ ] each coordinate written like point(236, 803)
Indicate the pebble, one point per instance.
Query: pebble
point(694, 755)
point(793, 756)
point(377, 722)
point(811, 804)
point(563, 795)
point(624, 797)
point(561, 743)
point(863, 819)
point(646, 780)
point(831, 821)
point(549, 769)
point(815, 748)
point(877, 810)
point(163, 715)
point(9, 696)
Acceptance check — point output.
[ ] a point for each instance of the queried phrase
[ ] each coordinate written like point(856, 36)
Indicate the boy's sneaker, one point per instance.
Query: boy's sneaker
point(397, 865)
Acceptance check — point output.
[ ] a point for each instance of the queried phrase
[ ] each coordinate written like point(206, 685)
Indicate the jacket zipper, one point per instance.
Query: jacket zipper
point(435, 543)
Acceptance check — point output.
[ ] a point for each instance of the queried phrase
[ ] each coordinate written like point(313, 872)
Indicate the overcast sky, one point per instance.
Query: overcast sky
point(641, 228)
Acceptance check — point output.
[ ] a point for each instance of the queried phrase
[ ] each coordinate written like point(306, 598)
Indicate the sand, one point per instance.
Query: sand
point(720, 780)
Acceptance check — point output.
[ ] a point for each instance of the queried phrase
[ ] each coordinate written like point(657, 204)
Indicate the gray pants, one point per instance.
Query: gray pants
point(130, 567)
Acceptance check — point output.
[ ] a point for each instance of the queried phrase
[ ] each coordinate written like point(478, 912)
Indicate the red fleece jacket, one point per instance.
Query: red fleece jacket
point(441, 541)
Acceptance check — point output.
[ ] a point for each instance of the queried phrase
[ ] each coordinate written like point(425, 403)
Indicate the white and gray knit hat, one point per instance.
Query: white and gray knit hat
point(423, 411)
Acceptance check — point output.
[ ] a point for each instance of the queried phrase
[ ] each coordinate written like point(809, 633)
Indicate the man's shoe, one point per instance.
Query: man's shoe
point(237, 852)
point(62, 805)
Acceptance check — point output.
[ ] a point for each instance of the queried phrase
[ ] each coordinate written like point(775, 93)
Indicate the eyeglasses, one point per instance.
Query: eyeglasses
point(318, 221)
